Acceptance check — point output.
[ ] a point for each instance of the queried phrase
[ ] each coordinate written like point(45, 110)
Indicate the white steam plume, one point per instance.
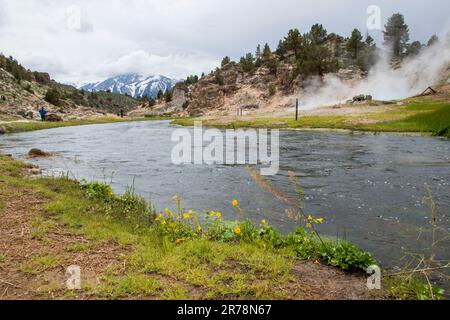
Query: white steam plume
point(383, 82)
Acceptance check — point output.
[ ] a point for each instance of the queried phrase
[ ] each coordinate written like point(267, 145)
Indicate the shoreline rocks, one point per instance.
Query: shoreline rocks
point(38, 153)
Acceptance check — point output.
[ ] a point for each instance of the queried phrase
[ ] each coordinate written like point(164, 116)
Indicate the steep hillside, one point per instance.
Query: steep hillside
point(270, 80)
point(315, 67)
point(23, 91)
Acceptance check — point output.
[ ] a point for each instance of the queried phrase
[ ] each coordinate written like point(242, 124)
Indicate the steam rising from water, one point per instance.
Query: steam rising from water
point(383, 83)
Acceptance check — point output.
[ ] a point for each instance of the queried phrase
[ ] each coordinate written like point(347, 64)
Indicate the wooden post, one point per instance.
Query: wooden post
point(296, 110)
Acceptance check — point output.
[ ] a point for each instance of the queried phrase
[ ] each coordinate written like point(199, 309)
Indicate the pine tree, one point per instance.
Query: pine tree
point(294, 42)
point(281, 49)
point(225, 61)
point(414, 48)
point(318, 34)
point(266, 51)
point(368, 57)
point(258, 54)
point(191, 80)
point(316, 60)
point(433, 40)
point(355, 44)
point(168, 96)
point(396, 35)
point(248, 63)
point(219, 77)
point(52, 96)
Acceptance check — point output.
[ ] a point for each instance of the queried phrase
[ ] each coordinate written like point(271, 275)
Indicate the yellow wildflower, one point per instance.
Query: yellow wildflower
point(264, 222)
point(320, 220)
point(187, 216)
point(310, 218)
point(169, 213)
point(237, 230)
point(235, 203)
point(218, 215)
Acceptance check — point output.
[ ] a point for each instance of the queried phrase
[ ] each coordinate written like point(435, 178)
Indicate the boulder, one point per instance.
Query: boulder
point(2, 130)
point(53, 118)
point(362, 98)
point(37, 153)
point(29, 114)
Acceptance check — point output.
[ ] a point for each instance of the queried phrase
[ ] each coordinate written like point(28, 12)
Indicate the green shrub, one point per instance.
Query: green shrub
point(53, 96)
point(128, 207)
point(272, 89)
point(346, 256)
point(98, 191)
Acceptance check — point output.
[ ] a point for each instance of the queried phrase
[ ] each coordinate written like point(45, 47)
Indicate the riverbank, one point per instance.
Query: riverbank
point(128, 251)
point(25, 126)
point(424, 116)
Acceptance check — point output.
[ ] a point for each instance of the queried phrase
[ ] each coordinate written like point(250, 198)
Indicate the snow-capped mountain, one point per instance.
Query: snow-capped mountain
point(134, 85)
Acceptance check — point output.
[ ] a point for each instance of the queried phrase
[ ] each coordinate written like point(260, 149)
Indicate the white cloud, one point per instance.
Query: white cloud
point(176, 37)
point(142, 62)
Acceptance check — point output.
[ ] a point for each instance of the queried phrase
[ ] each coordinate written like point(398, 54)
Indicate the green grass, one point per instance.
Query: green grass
point(2, 258)
point(33, 126)
point(39, 264)
point(166, 117)
point(78, 247)
point(422, 116)
point(432, 117)
point(40, 227)
point(130, 285)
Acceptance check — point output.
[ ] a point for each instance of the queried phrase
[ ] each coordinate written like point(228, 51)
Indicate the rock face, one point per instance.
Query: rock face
point(179, 99)
point(53, 118)
point(37, 153)
point(230, 88)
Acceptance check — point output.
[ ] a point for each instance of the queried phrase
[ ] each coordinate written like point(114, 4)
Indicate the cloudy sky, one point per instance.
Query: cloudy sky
point(88, 40)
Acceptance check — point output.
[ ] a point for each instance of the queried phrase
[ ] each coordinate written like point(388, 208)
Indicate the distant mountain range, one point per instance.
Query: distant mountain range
point(134, 85)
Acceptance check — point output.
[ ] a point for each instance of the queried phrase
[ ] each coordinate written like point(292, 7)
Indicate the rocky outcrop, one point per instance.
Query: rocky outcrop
point(179, 99)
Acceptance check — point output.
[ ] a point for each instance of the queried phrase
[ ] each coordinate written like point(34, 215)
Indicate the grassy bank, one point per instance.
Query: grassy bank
point(14, 127)
point(420, 116)
point(126, 250)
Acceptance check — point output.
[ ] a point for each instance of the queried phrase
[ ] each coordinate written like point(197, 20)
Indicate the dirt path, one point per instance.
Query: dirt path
point(37, 250)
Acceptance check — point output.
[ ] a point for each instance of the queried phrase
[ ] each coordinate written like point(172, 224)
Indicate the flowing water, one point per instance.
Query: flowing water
point(369, 188)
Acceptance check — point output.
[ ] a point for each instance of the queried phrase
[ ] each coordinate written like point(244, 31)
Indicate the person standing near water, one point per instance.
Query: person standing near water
point(43, 113)
point(121, 113)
